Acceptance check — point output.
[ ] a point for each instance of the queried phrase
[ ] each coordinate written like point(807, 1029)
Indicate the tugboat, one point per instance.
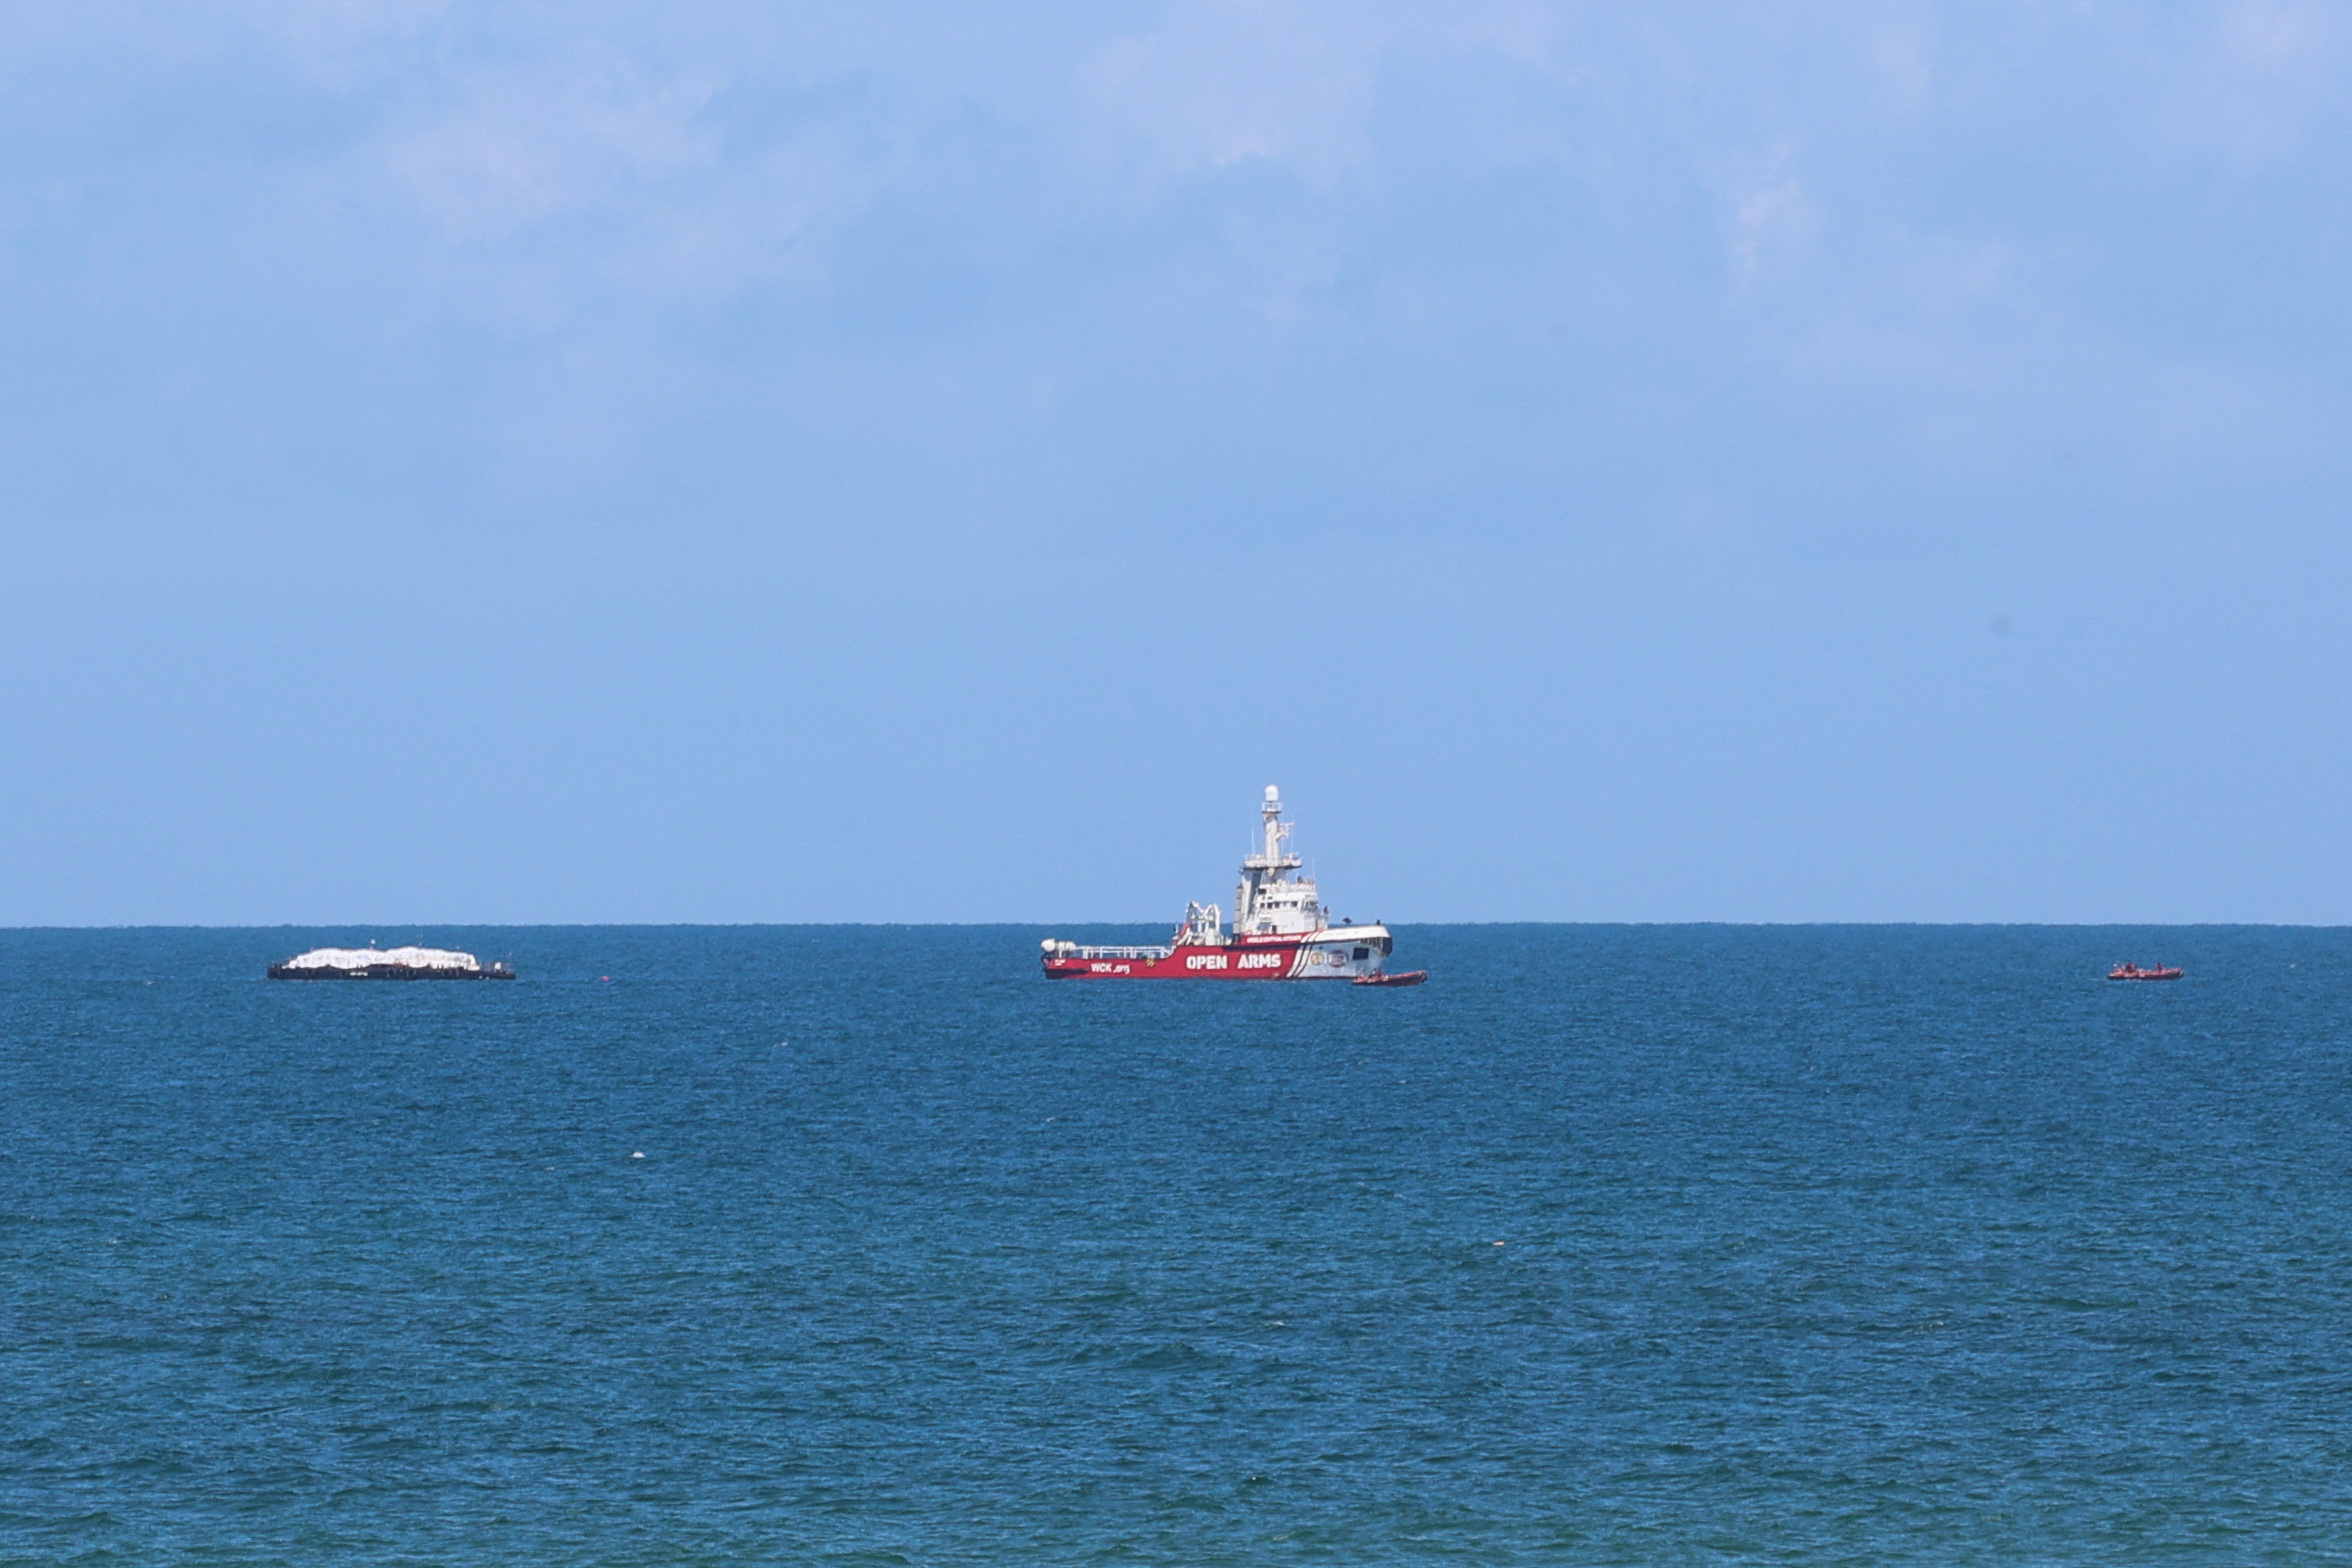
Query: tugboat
point(2135, 972)
point(1281, 931)
point(396, 963)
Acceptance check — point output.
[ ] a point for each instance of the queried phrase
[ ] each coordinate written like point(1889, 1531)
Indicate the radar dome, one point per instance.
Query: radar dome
point(1272, 794)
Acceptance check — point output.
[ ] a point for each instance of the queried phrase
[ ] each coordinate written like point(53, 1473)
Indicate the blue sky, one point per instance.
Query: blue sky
point(609, 462)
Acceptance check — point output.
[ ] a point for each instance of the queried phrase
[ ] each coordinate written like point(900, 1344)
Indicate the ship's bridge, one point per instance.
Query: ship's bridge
point(1279, 908)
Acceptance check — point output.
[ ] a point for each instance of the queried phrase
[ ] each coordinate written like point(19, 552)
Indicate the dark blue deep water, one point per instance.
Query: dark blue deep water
point(1609, 1245)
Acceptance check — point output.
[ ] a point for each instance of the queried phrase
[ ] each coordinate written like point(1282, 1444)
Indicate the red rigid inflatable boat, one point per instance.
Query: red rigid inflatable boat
point(2135, 972)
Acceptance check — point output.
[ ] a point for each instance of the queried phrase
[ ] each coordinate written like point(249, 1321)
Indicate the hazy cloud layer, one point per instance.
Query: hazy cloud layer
point(921, 347)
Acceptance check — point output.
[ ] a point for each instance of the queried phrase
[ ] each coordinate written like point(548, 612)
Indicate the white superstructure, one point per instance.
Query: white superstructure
point(1270, 904)
point(1267, 902)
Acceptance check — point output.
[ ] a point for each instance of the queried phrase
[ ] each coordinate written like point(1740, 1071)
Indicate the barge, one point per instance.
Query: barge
point(391, 963)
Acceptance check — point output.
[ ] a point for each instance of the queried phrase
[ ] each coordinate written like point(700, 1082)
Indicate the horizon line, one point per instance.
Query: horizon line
point(1034, 925)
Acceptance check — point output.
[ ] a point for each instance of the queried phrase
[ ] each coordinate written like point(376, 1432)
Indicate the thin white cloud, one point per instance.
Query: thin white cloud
point(2290, 42)
point(516, 150)
point(1233, 80)
point(335, 40)
point(1773, 219)
point(1291, 82)
point(2262, 72)
point(1903, 53)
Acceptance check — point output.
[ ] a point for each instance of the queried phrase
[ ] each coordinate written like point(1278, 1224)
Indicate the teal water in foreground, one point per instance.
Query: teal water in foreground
point(869, 1246)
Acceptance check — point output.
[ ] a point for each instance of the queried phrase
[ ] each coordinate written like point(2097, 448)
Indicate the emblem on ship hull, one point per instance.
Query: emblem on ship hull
point(1282, 930)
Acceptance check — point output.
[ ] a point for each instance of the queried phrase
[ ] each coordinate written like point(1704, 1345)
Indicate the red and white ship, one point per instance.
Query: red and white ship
point(1280, 932)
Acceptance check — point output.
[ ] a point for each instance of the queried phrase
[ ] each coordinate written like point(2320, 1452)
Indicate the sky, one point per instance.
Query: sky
point(605, 462)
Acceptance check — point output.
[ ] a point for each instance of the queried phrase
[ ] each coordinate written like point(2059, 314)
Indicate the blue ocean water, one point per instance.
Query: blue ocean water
point(1609, 1245)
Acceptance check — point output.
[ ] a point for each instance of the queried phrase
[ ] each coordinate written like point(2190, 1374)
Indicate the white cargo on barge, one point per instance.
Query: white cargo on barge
point(387, 963)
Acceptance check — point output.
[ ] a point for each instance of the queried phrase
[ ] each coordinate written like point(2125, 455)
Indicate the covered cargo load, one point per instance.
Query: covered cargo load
point(387, 963)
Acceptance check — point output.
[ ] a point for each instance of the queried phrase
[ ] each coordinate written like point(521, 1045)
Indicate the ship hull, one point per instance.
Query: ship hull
point(1322, 955)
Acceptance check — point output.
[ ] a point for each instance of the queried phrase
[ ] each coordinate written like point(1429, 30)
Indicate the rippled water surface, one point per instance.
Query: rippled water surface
point(797, 1245)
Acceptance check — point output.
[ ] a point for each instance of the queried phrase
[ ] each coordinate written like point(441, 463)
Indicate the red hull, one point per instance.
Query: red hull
point(1283, 960)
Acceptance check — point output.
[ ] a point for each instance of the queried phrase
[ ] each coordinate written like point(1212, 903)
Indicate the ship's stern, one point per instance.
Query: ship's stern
point(1344, 952)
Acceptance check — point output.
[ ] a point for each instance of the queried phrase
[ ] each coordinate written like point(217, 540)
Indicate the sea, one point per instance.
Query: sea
point(870, 1246)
